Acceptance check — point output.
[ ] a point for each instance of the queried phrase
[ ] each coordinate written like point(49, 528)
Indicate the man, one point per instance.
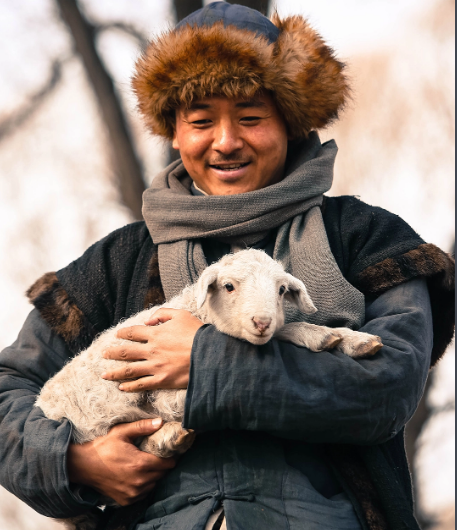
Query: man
point(286, 438)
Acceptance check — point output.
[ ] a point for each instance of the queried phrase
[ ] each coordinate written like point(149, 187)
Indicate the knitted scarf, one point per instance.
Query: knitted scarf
point(177, 220)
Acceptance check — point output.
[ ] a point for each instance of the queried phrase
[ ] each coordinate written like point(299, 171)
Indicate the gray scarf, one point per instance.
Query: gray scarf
point(177, 220)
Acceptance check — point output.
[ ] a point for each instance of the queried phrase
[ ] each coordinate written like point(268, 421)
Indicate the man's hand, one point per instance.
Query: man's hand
point(162, 353)
point(115, 467)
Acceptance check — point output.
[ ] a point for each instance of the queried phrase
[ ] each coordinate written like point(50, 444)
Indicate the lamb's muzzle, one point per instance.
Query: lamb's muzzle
point(262, 323)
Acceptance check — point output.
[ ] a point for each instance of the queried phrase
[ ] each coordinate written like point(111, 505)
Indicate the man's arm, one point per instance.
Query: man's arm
point(37, 459)
point(292, 392)
point(33, 448)
point(283, 389)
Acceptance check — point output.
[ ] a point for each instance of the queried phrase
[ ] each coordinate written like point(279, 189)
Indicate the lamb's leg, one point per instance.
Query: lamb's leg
point(320, 338)
point(316, 338)
point(358, 344)
point(170, 440)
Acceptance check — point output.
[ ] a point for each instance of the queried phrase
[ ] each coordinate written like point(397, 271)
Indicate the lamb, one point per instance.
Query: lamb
point(243, 295)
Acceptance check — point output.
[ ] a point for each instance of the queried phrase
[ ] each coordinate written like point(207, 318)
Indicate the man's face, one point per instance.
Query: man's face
point(231, 146)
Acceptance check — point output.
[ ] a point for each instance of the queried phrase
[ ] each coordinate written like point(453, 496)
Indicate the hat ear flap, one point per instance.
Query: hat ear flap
point(298, 295)
point(208, 277)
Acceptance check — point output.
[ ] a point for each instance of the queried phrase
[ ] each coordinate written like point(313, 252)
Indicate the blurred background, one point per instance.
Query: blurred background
point(74, 157)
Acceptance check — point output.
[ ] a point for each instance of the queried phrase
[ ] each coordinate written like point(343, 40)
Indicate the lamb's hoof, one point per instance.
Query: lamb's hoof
point(368, 348)
point(184, 441)
point(171, 440)
point(330, 341)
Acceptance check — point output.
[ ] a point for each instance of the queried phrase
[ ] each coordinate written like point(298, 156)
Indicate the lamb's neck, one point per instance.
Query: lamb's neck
point(187, 300)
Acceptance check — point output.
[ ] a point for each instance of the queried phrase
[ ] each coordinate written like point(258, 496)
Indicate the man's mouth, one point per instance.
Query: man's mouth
point(229, 167)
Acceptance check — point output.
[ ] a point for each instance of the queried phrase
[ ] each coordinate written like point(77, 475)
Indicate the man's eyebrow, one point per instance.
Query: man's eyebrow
point(247, 104)
point(251, 103)
point(197, 106)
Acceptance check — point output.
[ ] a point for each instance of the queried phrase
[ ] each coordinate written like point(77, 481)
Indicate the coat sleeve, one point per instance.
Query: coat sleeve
point(328, 397)
point(376, 250)
point(33, 448)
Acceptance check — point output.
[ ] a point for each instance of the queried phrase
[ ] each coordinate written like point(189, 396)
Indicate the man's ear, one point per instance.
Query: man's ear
point(174, 142)
point(298, 295)
point(208, 277)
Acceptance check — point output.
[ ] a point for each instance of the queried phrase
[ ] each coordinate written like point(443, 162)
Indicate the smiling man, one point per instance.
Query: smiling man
point(286, 438)
point(232, 146)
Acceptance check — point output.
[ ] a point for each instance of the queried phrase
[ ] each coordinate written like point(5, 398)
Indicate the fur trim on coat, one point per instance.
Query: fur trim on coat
point(61, 314)
point(191, 63)
point(426, 261)
point(65, 318)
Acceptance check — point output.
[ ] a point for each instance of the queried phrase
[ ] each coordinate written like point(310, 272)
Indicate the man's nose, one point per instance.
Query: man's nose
point(227, 139)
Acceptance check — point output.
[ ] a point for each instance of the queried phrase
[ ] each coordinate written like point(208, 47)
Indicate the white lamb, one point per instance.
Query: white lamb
point(243, 296)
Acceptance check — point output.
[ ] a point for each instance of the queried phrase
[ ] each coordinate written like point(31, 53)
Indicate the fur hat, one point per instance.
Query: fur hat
point(233, 51)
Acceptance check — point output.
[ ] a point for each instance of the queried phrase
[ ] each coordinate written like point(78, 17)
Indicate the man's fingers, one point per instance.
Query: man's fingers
point(128, 352)
point(135, 333)
point(130, 371)
point(131, 431)
point(161, 316)
point(140, 385)
point(159, 466)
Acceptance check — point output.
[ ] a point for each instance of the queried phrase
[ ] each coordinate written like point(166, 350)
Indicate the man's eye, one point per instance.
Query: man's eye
point(229, 287)
point(201, 123)
point(250, 119)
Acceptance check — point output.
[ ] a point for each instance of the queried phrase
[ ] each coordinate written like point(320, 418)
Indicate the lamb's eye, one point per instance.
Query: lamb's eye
point(229, 287)
point(282, 290)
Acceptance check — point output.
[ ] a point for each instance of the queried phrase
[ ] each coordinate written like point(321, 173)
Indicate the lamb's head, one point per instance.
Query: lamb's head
point(244, 295)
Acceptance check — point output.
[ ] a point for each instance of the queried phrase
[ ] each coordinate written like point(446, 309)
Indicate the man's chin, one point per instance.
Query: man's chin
point(230, 182)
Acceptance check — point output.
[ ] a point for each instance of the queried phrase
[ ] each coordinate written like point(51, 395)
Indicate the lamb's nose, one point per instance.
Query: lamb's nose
point(261, 323)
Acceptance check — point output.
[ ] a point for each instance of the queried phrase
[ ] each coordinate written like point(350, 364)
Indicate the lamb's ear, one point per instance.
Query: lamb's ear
point(299, 296)
point(208, 277)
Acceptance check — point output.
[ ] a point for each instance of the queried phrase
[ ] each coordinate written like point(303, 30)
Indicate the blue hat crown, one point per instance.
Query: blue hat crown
point(233, 15)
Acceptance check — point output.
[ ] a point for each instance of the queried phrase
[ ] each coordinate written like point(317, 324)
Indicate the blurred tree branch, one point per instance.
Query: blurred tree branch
point(183, 8)
point(126, 162)
point(413, 431)
point(18, 118)
point(129, 29)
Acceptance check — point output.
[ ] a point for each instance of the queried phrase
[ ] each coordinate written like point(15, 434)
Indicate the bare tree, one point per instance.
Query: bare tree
point(128, 29)
point(35, 100)
point(126, 163)
point(412, 433)
point(183, 8)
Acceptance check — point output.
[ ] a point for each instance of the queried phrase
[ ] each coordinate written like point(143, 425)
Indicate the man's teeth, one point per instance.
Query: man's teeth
point(230, 167)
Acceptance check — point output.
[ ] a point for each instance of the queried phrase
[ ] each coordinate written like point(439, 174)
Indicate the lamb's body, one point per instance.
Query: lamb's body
point(253, 310)
point(94, 405)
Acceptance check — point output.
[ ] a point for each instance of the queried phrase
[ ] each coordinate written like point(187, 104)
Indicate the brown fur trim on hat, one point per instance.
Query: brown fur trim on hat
point(426, 261)
point(192, 63)
point(60, 313)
